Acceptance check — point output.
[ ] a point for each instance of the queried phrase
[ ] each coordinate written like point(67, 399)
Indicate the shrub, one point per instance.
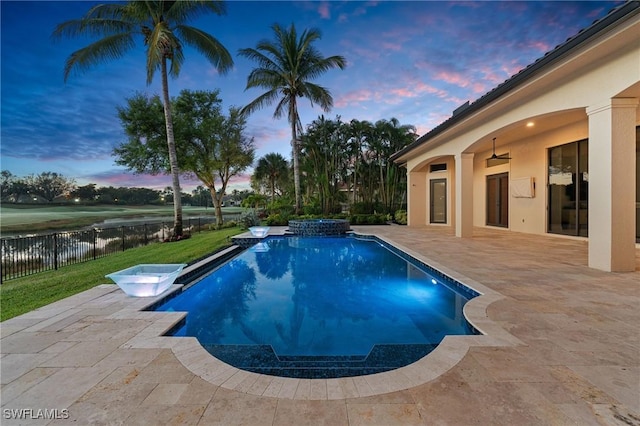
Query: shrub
point(249, 218)
point(401, 217)
point(225, 225)
point(362, 208)
point(312, 209)
point(282, 206)
point(368, 219)
point(277, 219)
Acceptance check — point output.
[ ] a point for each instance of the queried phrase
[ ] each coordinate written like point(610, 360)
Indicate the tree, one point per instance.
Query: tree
point(162, 25)
point(202, 196)
point(359, 132)
point(50, 185)
point(85, 192)
point(274, 169)
point(7, 180)
point(213, 147)
point(325, 157)
point(286, 66)
point(390, 136)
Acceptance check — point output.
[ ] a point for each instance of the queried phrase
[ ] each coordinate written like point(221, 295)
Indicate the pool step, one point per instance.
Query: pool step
point(262, 359)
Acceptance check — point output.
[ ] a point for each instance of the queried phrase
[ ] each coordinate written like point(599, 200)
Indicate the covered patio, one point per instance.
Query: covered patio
point(573, 353)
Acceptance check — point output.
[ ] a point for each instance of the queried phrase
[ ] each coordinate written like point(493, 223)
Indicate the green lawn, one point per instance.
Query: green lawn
point(21, 217)
point(25, 294)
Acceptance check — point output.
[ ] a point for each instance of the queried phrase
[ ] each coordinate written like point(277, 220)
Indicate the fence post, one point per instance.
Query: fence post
point(55, 251)
point(199, 225)
point(93, 231)
point(122, 238)
point(146, 241)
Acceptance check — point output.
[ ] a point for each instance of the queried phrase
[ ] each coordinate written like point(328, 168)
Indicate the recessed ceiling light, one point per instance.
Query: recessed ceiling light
point(530, 124)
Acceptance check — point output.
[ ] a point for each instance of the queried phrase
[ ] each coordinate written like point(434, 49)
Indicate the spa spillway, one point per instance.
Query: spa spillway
point(319, 227)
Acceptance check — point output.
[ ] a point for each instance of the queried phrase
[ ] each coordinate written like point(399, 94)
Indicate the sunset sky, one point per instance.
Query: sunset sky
point(413, 60)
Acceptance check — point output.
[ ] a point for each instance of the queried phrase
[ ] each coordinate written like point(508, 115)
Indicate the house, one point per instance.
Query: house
point(553, 150)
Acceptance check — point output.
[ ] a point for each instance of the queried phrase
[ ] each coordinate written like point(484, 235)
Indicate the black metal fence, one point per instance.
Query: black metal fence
point(22, 256)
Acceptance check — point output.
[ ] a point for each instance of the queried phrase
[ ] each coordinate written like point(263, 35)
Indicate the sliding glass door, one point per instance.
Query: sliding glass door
point(498, 200)
point(569, 189)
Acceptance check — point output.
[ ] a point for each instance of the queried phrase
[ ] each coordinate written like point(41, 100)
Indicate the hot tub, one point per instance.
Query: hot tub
point(319, 227)
point(148, 279)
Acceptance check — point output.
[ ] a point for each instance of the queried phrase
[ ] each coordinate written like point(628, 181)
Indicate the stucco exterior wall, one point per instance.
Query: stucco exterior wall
point(562, 102)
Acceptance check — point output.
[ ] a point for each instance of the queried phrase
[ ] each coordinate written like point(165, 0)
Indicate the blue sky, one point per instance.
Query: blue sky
point(413, 60)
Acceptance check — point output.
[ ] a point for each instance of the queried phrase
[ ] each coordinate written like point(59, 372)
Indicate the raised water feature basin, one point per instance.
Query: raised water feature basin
point(147, 280)
point(319, 227)
point(259, 231)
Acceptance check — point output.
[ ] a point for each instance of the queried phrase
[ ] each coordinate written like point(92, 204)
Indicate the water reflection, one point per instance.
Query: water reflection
point(320, 296)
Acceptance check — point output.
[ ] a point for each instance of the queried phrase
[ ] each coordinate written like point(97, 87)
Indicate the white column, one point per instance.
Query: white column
point(464, 195)
point(612, 185)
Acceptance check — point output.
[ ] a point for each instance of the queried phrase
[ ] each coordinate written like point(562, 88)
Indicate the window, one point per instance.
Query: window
point(569, 189)
point(438, 167)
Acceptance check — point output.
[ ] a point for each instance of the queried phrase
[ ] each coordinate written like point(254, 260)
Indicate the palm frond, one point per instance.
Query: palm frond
point(107, 10)
point(208, 46)
point(185, 10)
point(265, 99)
point(108, 48)
point(162, 44)
point(91, 28)
point(265, 78)
point(317, 94)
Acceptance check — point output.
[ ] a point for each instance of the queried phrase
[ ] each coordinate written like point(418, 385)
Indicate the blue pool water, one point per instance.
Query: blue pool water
point(320, 307)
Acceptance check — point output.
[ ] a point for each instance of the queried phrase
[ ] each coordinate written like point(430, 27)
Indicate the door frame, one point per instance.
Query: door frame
point(432, 182)
point(502, 199)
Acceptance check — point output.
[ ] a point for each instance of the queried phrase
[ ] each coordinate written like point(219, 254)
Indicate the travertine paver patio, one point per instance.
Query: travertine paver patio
point(563, 347)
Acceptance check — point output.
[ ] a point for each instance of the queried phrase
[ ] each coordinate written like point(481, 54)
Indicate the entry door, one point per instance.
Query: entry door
point(498, 200)
point(438, 201)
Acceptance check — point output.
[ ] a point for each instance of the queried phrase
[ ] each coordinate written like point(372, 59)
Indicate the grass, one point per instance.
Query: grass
point(34, 218)
point(25, 294)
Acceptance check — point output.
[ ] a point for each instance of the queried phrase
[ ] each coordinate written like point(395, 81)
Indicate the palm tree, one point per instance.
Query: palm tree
point(272, 167)
point(390, 136)
point(286, 66)
point(162, 27)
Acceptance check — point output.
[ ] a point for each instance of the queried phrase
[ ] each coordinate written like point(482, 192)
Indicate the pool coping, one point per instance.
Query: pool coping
point(200, 362)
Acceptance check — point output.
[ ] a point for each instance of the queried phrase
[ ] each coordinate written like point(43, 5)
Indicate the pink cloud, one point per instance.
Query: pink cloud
point(323, 10)
point(362, 10)
point(453, 77)
point(354, 97)
point(392, 46)
point(539, 45)
point(371, 55)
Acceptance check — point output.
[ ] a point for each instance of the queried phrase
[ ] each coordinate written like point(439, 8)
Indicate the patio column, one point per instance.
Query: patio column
point(612, 185)
point(464, 195)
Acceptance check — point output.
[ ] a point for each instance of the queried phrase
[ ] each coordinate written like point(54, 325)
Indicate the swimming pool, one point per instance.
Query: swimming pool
point(321, 307)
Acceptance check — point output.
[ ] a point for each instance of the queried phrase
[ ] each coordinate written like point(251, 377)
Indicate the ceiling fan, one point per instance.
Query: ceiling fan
point(498, 157)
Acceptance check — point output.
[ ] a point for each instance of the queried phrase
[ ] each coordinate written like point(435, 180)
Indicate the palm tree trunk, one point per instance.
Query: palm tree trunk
point(173, 157)
point(272, 182)
point(296, 157)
